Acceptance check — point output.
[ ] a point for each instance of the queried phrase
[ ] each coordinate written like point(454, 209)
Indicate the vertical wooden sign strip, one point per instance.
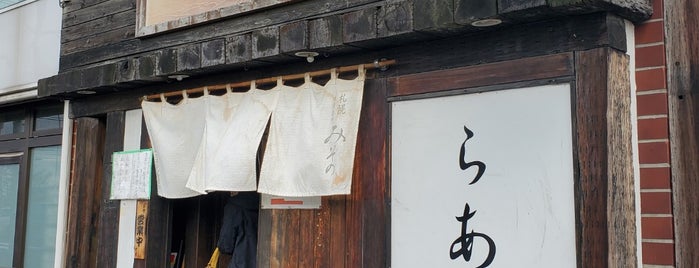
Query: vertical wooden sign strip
point(141, 237)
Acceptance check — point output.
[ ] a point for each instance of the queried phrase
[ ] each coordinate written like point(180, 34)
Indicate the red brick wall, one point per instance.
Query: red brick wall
point(653, 145)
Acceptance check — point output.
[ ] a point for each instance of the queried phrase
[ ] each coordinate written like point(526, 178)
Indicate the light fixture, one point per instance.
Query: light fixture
point(178, 77)
point(309, 55)
point(486, 22)
point(86, 92)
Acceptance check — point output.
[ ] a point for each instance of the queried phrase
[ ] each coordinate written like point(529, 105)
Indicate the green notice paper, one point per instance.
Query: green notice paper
point(131, 174)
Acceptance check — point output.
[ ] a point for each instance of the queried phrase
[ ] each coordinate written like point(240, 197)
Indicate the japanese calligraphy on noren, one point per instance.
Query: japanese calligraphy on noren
point(336, 136)
point(463, 245)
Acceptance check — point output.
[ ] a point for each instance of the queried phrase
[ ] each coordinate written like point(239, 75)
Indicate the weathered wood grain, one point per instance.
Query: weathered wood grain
point(395, 18)
point(548, 66)
point(233, 26)
point(371, 155)
point(359, 26)
point(293, 37)
point(85, 195)
point(188, 57)
point(325, 32)
point(522, 41)
point(468, 11)
point(307, 222)
point(100, 25)
point(338, 236)
point(433, 15)
point(238, 48)
point(108, 223)
point(80, 4)
point(112, 36)
point(104, 75)
point(621, 198)
point(605, 200)
point(265, 43)
point(321, 236)
point(682, 41)
point(213, 53)
point(505, 6)
point(97, 11)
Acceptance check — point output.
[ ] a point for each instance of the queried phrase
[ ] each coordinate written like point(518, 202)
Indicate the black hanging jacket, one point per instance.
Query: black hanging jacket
point(239, 229)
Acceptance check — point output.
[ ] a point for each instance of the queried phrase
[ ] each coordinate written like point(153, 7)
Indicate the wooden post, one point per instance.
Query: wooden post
point(606, 201)
point(85, 193)
point(682, 41)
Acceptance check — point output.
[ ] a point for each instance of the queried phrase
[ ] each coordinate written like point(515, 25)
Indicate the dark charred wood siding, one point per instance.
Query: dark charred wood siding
point(98, 37)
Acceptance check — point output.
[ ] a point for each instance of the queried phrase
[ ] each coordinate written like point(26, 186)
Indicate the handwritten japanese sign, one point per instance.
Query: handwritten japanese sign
point(141, 221)
point(483, 180)
point(131, 174)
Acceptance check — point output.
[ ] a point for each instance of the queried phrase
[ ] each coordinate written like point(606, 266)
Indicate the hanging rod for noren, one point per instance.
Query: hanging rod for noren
point(367, 66)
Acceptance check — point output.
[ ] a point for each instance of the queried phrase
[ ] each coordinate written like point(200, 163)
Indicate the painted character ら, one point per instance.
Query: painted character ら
point(464, 165)
point(465, 241)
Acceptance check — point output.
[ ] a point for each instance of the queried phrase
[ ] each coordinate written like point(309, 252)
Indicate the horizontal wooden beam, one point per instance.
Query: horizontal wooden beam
point(550, 66)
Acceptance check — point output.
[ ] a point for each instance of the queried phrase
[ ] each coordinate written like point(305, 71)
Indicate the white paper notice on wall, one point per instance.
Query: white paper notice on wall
point(484, 180)
point(285, 202)
point(131, 174)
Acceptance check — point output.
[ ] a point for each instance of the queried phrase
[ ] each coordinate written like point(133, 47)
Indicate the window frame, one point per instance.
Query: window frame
point(22, 144)
point(212, 15)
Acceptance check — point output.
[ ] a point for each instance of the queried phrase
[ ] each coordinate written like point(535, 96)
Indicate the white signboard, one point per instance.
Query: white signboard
point(131, 174)
point(484, 180)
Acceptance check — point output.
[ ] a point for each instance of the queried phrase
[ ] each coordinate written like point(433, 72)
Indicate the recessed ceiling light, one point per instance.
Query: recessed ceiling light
point(486, 22)
point(178, 77)
point(309, 55)
point(86, 92)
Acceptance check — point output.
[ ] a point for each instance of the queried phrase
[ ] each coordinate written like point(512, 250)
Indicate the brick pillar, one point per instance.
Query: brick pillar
point(654, 148)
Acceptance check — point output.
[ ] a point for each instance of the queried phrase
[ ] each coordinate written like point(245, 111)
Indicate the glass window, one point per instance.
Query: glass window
point(7, 3)
point(9, 180)
point(42, 203)
point(48, 118)
point(12, 122)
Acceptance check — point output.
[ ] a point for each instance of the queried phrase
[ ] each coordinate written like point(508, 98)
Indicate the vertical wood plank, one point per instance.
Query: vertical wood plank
point(321, 235)
point(366, 207)
point(306, 238)
point(590, 112)
point(682, 40)
point(265, 238)
point(292, 245)
point(84, 194)
point(605, 200)
point(620, 184)
point(108, 223)
point(372, 172)
point(338, 234)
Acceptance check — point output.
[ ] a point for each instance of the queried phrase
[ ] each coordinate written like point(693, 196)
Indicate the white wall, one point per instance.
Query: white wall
point(29, 44)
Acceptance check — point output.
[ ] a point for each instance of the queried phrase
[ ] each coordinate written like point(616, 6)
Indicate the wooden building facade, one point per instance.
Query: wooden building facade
point(113, 54)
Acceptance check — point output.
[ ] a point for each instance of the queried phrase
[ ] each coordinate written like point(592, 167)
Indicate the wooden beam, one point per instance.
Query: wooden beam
point(85, 193)
point(605, 187)
point(468, 11)
point(549, 66)
point(682, 41)
point(213, 53)
point(108, 223)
